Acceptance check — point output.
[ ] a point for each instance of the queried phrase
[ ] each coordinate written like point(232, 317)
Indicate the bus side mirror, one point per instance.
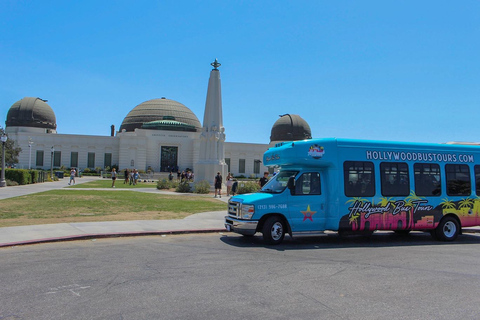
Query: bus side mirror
point(291, 185)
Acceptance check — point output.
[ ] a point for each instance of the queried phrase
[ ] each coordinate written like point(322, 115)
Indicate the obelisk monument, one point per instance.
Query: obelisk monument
point(212, 139)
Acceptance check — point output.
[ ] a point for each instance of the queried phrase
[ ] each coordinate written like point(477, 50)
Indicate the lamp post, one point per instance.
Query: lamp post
point(30, 143)
point(4, 138)
point(291, 123)
point(52, 149)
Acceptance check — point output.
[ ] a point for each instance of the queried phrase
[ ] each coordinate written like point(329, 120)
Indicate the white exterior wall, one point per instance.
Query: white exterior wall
point(248, 151)
point(141, 146)
point(65, 144)
point(144, 148)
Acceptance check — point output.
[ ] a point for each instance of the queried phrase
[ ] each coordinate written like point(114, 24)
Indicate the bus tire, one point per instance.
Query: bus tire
point(448, 229)
point(273, 230)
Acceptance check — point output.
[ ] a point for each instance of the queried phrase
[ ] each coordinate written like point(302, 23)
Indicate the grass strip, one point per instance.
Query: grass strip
point(107, 183)
point(58, 206)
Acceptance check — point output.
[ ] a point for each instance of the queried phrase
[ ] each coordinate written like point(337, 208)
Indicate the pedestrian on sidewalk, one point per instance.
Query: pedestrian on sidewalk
point(72, 176)
point(218, 185)
point(114, 177)
point(229, 183)
point(127, 174)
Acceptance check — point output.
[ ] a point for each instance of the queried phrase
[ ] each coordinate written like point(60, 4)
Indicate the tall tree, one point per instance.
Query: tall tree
point(11, 152)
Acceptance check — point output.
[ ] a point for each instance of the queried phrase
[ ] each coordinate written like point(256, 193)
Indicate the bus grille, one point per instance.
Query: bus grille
point(234, 209)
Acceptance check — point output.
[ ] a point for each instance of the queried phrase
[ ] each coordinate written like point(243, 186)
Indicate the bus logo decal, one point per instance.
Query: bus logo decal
point(308, 214)
point(316, 151)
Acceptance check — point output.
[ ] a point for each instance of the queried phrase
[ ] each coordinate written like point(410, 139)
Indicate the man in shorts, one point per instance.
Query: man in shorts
point(218, 185)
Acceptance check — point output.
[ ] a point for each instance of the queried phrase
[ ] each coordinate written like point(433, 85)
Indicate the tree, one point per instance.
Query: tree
point(11, 152)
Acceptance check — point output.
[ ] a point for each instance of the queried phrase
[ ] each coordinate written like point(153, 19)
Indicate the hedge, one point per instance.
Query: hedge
point(22, 176)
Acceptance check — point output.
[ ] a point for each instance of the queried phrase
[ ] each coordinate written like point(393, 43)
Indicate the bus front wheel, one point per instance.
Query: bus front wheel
point(447, 229)
point(273, 230)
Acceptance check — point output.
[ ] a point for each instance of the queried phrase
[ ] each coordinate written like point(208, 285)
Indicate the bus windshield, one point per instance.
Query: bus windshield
point(279, 182)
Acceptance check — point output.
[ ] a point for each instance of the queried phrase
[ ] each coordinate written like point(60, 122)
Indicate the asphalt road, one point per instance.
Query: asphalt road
point(215, 276)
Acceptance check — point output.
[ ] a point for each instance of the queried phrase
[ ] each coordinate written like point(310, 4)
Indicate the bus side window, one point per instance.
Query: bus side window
point(395, 179)
point(359, 179)
point(427, 179)
point(458, 180)
point(477, 180)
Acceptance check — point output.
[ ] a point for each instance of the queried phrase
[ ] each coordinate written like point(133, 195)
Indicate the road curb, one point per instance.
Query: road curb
point(107, 235)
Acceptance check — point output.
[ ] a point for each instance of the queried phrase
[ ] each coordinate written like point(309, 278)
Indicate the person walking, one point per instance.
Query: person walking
point(72, 176)
point(218, 185)
point(229, 183)
point(127, 174)
point(114, 177)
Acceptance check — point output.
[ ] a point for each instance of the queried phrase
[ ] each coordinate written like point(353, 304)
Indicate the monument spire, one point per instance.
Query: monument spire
point(212, 139)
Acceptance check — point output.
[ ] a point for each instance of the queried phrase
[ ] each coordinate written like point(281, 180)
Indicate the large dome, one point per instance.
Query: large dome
point(161, 114)
point(31, 112)
point(290, 127)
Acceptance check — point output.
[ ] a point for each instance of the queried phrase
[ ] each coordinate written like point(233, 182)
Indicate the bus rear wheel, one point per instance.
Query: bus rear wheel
point(273, 230)
point(447, 229)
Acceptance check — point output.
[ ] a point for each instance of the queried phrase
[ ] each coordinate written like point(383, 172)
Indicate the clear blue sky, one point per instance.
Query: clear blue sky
point(387, 70)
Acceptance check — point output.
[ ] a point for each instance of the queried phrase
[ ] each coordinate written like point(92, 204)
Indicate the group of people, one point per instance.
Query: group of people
point(130, 177)
point(232, 183)
point(182, 176)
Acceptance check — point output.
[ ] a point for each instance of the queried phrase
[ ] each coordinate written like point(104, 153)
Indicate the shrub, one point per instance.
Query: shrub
point(11, 183)
point(201, 187)
point(163, 184)
point(166, 184)
point(183, 187)
point(247, 187)
point(34, 175)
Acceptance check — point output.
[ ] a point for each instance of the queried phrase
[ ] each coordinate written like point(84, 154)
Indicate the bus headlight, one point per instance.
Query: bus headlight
point(247, 211)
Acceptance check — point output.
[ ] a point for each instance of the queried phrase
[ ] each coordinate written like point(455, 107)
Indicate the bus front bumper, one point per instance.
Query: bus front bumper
point(245, 227)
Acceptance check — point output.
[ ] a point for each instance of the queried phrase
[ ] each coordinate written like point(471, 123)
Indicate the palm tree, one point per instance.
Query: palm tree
point(465, 203)
point(447, 204)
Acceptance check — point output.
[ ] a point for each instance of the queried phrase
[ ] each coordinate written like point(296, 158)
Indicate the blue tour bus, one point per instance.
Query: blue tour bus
point(357, 186)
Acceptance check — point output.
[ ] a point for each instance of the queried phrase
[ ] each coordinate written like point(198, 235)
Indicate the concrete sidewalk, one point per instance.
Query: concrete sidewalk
point(17, 191)
point(197, 223)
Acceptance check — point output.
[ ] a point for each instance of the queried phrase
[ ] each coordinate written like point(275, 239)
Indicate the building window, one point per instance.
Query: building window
point(39, 160)
point(427, 179)
point(107, 161)
point(74, 160)
point(91, 160)
point(227, 161)
point(57, 157)
point(256, 166)
point(359, 179)
point(395, 179)
point(458, 180)
point(241, 166)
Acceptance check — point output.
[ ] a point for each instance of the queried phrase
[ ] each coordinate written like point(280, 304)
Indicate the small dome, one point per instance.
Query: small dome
point(165, 110)
point(290, 127)
point(31, 112)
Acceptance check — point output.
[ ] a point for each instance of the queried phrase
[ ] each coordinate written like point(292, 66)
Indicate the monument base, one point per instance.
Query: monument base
point(208, 171)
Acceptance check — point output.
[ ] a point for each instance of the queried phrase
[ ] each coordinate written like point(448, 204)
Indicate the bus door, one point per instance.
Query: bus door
point(307, 204)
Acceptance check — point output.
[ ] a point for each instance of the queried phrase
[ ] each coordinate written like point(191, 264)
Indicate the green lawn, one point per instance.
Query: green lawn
point(59, 206)
point(107, 183)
